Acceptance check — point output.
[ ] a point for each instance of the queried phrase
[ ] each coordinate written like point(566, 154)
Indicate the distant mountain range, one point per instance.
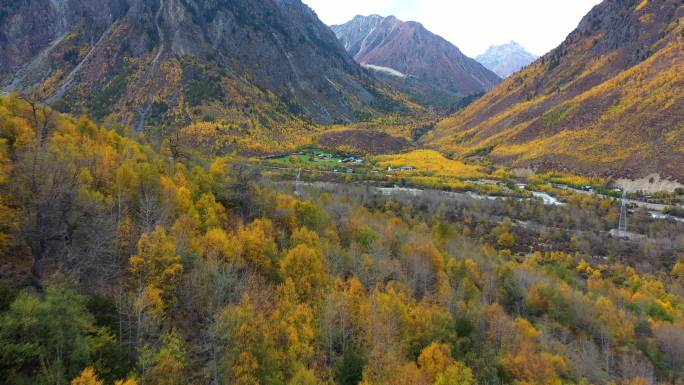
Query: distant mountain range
point(506, 59)
point(414, 59)
point(608, 101)
point(253, 63)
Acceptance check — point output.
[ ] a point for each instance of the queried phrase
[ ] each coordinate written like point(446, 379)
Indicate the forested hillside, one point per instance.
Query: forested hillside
point(608, 101)
point(125, 264)
point(264, 73)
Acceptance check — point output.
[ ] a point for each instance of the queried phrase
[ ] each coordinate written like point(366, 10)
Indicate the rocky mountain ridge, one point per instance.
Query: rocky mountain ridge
point(434, 69)
point(152, 62)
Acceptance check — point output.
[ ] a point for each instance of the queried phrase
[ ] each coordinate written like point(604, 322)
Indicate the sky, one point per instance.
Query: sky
point(539, 25)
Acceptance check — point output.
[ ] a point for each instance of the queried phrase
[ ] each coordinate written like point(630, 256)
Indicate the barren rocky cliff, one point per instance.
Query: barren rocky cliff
point(431, 68)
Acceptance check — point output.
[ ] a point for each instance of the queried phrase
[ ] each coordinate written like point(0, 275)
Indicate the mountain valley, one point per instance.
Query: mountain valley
point(207, 192)
point(608, 101)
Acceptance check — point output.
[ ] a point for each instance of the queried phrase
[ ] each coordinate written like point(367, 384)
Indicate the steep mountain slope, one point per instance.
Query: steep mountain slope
point(414, 59)
point(256, 63)
point(609, 100)
point(506, 59)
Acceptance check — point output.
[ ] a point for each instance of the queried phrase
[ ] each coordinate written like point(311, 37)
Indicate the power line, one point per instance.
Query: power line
point(298, 184)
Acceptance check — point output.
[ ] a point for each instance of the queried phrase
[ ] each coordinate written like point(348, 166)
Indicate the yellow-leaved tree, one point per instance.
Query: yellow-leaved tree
point(258, 246)
point(295, 329)
point(527, 364)
point(87, 377)
point(305, 266)
point(434, 360)
point(456, 374)
point(439, 367)
point(156, 264)
point(218, 246)
point(155, 271)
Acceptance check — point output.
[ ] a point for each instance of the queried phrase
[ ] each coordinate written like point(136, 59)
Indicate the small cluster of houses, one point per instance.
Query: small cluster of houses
point(352, 159)
point(326, 156)
point(587, 188)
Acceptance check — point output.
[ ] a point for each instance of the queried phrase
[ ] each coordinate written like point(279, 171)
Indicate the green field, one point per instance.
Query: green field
point(312, 158)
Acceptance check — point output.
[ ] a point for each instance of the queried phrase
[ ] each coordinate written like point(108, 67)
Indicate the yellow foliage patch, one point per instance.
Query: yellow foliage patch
point(432, 163)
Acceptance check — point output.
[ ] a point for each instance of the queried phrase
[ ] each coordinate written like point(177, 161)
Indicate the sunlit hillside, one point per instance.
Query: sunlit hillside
point(431, 163)
point(609, 101)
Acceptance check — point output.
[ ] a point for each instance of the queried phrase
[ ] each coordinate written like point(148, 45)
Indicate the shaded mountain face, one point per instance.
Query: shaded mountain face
point(169, 61)
point(506, 59)
point(608, 101)
point(417, 61)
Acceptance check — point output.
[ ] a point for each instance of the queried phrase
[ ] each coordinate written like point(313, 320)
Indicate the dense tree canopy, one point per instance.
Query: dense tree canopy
point(127, 266)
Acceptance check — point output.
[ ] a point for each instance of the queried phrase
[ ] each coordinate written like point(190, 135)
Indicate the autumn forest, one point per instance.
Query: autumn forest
point(231, 192)
point(139, 268)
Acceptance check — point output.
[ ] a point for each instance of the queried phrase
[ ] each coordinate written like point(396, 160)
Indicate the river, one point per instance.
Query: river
point(547, 199)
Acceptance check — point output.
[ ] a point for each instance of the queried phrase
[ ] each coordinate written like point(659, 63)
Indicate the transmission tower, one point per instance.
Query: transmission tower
point(298, 184)
point(622, 227)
